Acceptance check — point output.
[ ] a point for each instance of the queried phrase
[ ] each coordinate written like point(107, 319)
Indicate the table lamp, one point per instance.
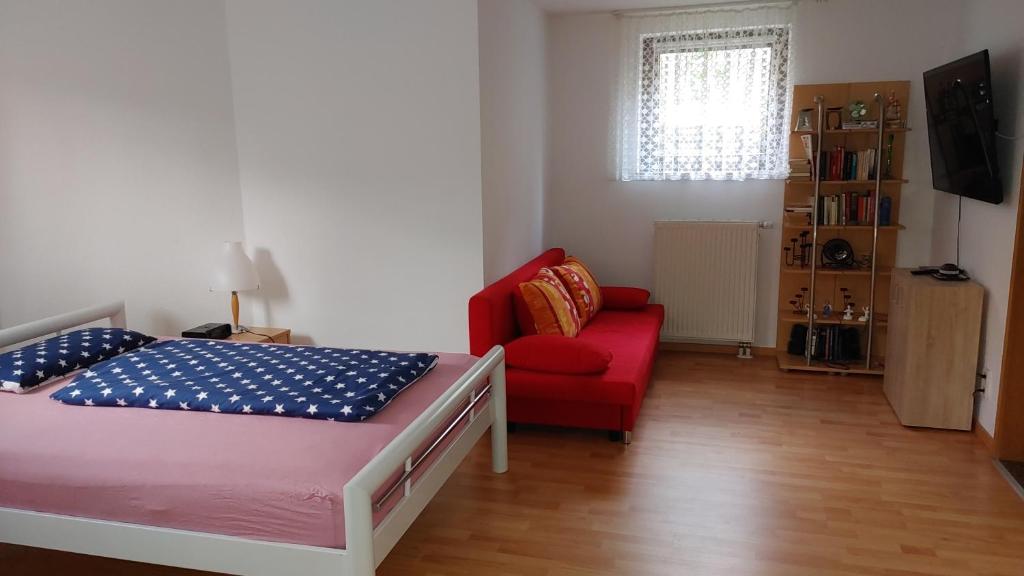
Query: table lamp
point(233, 273)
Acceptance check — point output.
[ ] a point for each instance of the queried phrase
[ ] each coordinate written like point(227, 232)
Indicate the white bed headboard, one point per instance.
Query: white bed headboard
point(55, 324)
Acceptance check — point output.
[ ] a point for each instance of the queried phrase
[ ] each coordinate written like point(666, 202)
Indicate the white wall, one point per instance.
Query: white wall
point(118, 174)
point(609, 223)
point(512, 118)
point(987, 231)
point(359, 152)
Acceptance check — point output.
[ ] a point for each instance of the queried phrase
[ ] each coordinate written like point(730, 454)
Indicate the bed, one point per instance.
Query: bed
point(237, 494)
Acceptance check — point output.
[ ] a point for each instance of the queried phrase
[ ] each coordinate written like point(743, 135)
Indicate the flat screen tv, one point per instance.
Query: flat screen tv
point(962, 129)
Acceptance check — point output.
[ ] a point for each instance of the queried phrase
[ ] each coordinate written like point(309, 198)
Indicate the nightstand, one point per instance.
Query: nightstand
point(263, 335)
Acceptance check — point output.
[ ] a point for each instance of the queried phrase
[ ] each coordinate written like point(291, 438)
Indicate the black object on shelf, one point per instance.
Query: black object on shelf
point(950, 273)
point(211, 331)
point(837, 253)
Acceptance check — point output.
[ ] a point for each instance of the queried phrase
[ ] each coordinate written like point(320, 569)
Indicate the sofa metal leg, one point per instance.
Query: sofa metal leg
point(627, 437)
point(614, 436)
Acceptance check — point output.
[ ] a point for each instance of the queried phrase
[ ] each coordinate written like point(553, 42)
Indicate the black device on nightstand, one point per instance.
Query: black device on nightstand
point(212, 331)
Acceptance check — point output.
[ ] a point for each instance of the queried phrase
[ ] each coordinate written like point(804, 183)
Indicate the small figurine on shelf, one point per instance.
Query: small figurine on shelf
point(826, 310)
point(848, 312)
point(866, 315)
point(893, 112)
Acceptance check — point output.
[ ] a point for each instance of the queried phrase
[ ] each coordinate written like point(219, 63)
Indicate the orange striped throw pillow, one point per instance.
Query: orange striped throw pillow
point(550, 305)
point(583, 288)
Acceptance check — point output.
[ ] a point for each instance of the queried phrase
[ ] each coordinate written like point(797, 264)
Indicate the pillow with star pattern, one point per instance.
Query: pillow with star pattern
point(26, 368)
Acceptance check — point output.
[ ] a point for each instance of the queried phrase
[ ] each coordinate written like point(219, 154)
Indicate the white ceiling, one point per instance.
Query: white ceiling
point(609, 5)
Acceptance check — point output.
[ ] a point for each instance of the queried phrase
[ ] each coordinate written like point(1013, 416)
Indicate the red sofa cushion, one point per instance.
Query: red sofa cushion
point(624, 298)
point(582, 286)
point(550, 305)
point(492, 318)
point(523, 317)
point(633, 339)
point(557, 354)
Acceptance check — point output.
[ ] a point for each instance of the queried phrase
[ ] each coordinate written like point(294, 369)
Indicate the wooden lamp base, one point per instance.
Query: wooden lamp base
point(234, 311)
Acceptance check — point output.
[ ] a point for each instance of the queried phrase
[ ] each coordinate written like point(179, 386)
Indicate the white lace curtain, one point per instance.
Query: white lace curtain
point(704, 94)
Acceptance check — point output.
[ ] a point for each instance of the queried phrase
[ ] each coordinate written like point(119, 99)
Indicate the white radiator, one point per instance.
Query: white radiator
point(705, 274)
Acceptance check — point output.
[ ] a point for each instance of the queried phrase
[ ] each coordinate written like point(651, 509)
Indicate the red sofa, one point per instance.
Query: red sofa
point(609, 400)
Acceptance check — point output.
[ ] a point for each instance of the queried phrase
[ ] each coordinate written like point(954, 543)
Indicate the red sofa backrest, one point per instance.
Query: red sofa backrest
point(492, 315)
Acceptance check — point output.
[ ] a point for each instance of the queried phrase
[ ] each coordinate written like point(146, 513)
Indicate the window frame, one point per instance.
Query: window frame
point(652, 46)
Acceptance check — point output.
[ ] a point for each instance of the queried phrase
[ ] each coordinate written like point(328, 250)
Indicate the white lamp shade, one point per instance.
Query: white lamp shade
point(234, 270)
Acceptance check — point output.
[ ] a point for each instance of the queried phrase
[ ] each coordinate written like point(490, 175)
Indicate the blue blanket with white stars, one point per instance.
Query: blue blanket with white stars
point(217, 376)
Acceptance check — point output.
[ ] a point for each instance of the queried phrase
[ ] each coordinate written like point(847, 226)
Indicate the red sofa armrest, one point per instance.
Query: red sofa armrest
point(492, 317)
point(624, 298)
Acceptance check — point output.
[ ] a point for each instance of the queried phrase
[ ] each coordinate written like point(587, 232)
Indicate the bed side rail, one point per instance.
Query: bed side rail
point(488, 372)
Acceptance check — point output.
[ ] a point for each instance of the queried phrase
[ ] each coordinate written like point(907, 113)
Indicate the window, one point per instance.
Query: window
point(707, 104)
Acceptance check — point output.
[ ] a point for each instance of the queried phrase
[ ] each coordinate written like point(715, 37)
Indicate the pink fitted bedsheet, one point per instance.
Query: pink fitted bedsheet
point(261, 477)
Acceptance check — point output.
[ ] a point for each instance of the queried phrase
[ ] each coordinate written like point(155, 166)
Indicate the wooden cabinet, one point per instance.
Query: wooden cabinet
point(932, 353)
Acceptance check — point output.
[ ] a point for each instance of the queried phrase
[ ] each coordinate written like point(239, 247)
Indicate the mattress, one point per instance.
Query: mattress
point(262, 477)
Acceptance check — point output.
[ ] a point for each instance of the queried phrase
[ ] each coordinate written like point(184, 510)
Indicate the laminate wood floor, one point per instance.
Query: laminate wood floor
point(736, 469)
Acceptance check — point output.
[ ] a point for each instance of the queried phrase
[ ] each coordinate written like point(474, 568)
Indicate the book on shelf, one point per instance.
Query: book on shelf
point(860, 125)
point(835, 343)
point(799, 169)
point(808, 144)
point(885, 211)
point(841, 164)
point(852, 209)
point(865, 164)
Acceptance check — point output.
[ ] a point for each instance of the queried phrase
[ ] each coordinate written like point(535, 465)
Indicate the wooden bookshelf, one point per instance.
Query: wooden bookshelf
point(789, 317)
point(874, 245)
point(848, 227)
point(855, 130)
point(836, 272)
point(789, 362)
point(845, 182)
point(866, 130)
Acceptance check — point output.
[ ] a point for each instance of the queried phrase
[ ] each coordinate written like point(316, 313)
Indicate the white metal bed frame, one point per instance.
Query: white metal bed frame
point(366, 546)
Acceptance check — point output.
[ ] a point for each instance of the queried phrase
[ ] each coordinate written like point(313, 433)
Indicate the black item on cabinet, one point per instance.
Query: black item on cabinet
point(211, 331)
